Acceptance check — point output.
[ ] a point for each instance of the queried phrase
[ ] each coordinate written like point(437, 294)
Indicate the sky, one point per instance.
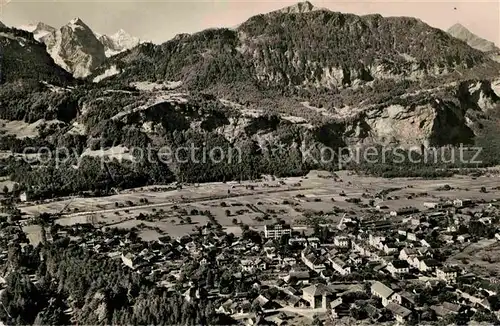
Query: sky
point(160, 20)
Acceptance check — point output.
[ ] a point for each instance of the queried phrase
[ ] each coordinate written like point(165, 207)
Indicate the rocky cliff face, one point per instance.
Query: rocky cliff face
point(290, 74)
point(303, 47)
point(75, 48)
point(299, 8)
point(374, 79)
point(449, 115)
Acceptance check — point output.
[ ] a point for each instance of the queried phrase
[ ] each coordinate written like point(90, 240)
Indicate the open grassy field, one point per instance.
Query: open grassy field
point(6, 182)
point(257, 203)
point(482, 258)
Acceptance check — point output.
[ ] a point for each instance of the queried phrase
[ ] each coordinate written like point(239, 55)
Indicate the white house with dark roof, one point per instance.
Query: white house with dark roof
point(277, 230)
point(311, 260)
point(342, 242)
point(376, 241)
point(382, 291)
point(462, 202)
point(397, 267)
point(428, 264)
point(407, 253)
point(390, 248)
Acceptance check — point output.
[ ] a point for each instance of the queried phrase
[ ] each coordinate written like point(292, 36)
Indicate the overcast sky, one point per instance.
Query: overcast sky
point(160, 20)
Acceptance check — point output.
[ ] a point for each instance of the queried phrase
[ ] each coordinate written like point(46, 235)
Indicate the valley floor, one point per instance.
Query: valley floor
point(158, 210)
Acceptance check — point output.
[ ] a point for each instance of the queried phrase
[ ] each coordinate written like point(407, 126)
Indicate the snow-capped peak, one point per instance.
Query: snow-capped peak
point(121, 32)
point(76, 21)
point(118, 42)
point(28, 28)
point(124, 39)
point(75, 48)
point(39, 30)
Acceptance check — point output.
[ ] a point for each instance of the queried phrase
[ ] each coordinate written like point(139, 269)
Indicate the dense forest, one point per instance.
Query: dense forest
point(99, 291)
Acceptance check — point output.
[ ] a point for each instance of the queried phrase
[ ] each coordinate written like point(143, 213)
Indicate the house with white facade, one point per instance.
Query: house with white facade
point(398, 267)
point(340, 266)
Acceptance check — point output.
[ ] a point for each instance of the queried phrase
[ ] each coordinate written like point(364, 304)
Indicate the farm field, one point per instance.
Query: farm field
point(481, 258)
point(177, 211)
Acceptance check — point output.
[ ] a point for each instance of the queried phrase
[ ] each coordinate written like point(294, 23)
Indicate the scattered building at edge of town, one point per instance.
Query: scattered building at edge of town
point(404, 211)
point(462, 202)
point(433, 205)
point(23, 197)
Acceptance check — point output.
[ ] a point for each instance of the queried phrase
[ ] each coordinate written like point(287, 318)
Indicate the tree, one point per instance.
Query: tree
point(5, 190)
point(484, 316)
point(494, 301)
point(357, 313)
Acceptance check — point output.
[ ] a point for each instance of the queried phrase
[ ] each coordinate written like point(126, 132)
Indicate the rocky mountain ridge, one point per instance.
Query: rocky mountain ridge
point(372, 79)
point(78, 49)
point(337, 79)
point(310, 49)
point(462, 33)
point(298, 77)
point(75, 48)
point(38, 30)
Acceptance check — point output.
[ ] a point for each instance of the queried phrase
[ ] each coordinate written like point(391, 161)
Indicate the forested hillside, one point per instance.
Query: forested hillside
point(23, 58)
point(313, 49)
point(98, 291)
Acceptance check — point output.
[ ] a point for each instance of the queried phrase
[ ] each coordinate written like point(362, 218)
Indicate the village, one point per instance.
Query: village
point(434, 262)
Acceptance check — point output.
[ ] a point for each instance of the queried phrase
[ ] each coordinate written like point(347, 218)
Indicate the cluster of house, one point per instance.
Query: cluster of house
point(374, 267)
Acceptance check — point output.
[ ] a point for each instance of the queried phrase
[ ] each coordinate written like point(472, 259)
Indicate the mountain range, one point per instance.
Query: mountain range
point(81, 54)
point(297, 75)
point(78, 49)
